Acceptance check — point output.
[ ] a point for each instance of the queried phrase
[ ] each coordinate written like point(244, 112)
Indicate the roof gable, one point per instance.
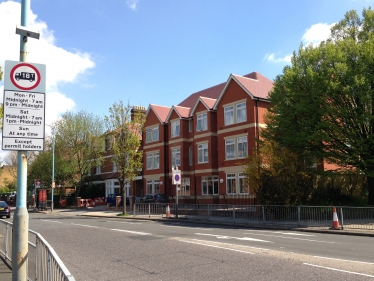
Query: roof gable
point(254, 84)
point(183, 112)
point(207, 102)
point(160, 111)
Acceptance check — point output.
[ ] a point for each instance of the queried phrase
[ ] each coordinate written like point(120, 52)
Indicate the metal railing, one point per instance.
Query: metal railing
point(43, 264)
point(298, 216)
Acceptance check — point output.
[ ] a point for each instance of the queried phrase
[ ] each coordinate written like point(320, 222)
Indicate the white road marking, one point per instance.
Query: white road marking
point(310, 240)
point(280, 232)
point(52, 221)
point(364, 262)
point(296, 234)
point(133, 232)
point(231, 237)
point(208, 245)
point(335, 269)
point(189, 227)
point(125, 222)
point(85, 225)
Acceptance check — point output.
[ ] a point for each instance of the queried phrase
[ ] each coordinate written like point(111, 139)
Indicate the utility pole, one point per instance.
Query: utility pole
point(20, 236)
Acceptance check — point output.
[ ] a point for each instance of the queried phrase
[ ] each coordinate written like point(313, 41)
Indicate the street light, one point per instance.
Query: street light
point(53, 162)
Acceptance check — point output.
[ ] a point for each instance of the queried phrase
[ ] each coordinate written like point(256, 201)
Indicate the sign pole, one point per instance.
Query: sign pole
point(21, 216)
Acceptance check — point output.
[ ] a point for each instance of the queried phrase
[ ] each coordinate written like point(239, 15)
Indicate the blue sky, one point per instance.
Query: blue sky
point(98, 52)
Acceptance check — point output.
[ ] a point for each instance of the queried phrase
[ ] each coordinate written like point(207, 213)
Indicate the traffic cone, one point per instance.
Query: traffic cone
point(167, 211)
point(335, 220)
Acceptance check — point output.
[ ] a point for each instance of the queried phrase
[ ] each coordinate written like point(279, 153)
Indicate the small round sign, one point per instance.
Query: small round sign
point(25, 76)
point(176, 177)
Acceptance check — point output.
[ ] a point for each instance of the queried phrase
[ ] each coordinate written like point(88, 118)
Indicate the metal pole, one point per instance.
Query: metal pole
point(20, 235)
point(53, 165)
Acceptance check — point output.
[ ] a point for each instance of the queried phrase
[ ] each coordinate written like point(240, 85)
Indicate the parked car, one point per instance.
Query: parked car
point(155, 198)
point(111, 198)
point(4, 209)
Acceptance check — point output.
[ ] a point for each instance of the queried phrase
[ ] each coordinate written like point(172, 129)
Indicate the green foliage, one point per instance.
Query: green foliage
point(79, 141)
point(279, 176)
point(124, 131)
point(323, 103)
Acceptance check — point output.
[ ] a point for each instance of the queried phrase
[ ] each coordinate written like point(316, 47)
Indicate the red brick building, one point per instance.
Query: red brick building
point(207, 136)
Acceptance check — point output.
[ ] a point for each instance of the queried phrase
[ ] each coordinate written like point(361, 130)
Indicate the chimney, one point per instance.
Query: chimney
point(136, 109)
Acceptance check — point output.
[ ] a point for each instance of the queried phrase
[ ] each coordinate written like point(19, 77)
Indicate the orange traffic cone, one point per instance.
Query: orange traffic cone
point(168, 211)
point(335, 220)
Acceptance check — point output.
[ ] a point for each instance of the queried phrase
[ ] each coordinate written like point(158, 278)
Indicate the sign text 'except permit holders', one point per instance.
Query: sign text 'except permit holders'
point(24, 106)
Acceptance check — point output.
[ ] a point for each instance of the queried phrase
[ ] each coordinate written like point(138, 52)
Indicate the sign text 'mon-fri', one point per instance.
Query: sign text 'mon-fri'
point(24, 111)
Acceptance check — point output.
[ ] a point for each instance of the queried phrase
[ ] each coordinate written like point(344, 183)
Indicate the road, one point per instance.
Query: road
point(113, 249)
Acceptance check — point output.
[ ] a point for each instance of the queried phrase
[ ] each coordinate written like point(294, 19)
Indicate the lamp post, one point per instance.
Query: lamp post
point(53, 163)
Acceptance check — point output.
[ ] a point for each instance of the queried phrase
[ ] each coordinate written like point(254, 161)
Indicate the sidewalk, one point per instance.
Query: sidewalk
point(5, 271)
point(101, 211)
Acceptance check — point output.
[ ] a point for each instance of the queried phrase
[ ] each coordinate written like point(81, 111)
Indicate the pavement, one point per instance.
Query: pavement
point(101, 211)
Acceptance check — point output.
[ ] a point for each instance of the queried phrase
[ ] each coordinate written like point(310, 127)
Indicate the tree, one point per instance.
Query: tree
point(79, 140)
point(279, 176)
point(11, 160)
point(323, 104)
point(41, 168)
point(125, 130)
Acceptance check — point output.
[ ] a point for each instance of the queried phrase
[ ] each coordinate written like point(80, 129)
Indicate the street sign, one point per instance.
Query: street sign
point(24, 106)
point(176, 176)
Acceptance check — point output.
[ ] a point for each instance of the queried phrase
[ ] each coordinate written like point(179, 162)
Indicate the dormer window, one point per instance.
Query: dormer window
point(175, 128)
point(235, 113)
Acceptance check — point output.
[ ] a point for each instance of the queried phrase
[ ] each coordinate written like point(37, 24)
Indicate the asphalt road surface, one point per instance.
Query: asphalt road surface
point(107, 249)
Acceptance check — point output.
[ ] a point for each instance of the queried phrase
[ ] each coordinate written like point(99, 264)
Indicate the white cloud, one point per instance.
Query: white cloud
point(132, 4)
point(317, 33)
point(271, 58)
point(62, 66)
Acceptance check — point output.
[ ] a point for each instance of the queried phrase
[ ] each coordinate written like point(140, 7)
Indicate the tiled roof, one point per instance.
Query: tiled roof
point(254, 82)
point(257, 84)
point(208, 102)
point(161, 111)
point(212, 92)
point(184, 112)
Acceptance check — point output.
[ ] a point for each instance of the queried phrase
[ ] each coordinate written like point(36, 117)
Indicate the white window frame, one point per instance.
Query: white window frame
point(241, 107)
point(230, 143)
point(98, 169)
point(231, 187)
point(202, 153)
point(152, 160)
point(152, 134)
point(205, 189)
point(149, 161)
point(176, 157)
point(202, 122)
point(243, 188)
point(229, 117)
point(242, 141)
point(175, 128)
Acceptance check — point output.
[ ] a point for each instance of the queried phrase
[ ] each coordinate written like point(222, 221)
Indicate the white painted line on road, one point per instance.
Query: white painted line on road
point(296, 234)
point(133, 232)
point(280, 232)
point(231, 237)
point(335, 269)
point(310, 240)
point(52, 221)
point(191, 227)
point(125, 222)
point(364, 262)
point(85, 225)
point(208, 245)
